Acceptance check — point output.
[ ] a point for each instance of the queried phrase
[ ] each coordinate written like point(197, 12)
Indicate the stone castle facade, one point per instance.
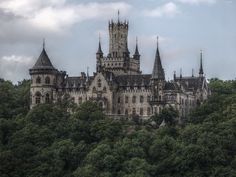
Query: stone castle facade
point(118, 84)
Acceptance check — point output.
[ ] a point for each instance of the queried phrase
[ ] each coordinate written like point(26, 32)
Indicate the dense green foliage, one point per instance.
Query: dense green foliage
point(47, 141)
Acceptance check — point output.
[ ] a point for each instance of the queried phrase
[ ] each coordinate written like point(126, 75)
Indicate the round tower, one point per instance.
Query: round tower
point(43, 80)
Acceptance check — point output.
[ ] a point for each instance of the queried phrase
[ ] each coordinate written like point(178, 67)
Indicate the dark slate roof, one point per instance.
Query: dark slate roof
point(190, 83)
point(158, 71)
point(76, 82)
point(43, 61)
point(171, 86)
point(133, 80)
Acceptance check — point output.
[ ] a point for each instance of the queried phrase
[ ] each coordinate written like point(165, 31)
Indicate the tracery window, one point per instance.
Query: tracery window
point(38, 98)
point(47, 80)
point(126, 99)
point(47, 98)
point(38, 80)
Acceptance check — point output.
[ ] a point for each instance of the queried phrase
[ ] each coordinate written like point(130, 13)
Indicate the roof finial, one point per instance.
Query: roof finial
point(192, 72)
point(43, 43)
point(157, 40)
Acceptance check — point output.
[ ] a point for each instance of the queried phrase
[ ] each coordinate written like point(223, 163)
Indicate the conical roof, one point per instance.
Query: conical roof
point(158, 71)
point(43, 61)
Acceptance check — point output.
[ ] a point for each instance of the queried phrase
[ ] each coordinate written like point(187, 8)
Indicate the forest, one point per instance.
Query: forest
point(49, 141)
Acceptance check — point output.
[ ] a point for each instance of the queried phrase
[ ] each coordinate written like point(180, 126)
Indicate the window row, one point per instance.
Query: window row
point(46, 80)
point(134, 99)
point(38, 98)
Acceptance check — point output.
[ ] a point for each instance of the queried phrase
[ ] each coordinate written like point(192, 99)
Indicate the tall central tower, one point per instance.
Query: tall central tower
point(118, 38)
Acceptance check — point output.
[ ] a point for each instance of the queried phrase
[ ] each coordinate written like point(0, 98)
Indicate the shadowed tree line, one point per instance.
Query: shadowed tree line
point(47, 141)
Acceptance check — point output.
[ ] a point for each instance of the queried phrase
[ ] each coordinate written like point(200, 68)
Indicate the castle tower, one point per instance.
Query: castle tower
point(43, 80)
point(118, 38)
point(157, 83)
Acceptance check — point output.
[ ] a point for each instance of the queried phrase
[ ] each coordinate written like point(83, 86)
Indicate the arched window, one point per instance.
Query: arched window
point(38, 98)
point(99, 83)
point(126, 99)
point(38, 80)
point(118, 100)
point(47, 98)
point(141, 99)
point(134, 111)
point(134, 99)
point(141, 111)
point(47, 80)
point(148, 98)
point(94, 89)
point(118, 112)
point(126, 112)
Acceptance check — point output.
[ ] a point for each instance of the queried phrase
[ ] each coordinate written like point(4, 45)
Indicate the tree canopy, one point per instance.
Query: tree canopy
point(48, 141)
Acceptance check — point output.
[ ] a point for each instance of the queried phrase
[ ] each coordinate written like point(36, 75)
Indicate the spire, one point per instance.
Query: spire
point(136, 53)
point(201, 68)
point(158, 71)
point(118, 15)
point(99, 46)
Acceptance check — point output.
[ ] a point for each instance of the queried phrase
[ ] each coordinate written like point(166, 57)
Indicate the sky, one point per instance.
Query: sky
point(71, 30)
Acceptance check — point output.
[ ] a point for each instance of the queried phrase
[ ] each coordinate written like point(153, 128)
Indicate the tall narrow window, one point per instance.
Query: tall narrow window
point(99, 83)
point(134, 111)
point(141, 111)
point(47, 80)
point(141, 99)
point(126, 112)
point(118, 100)
point(38, 80)
point(47, 98)
point(118, 112)
point(38, 98)
point(134, 99)
point(126, 99)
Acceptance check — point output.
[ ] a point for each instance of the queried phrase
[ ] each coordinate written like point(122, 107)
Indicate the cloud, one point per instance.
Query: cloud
point(196, 2)
point(169, 9)
point(56, 15)
point(14, 67)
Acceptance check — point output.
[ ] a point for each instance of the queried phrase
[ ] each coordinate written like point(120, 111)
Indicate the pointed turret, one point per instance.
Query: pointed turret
point(201, 68)
point(43, 61)
point(99, 56)
point(158, 71)
point(99, 52)
point(136, 53)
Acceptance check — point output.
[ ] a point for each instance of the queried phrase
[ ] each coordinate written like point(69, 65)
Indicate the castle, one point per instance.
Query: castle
point(118, 85)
